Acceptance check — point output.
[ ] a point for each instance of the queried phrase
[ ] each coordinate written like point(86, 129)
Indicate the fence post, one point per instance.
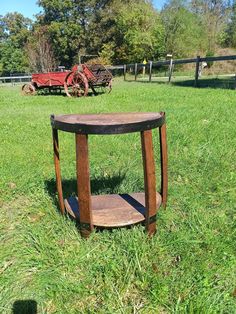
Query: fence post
point(150, 71)
point(135, 71)
point(197, 71)
point(171, 66)
point(124, 72)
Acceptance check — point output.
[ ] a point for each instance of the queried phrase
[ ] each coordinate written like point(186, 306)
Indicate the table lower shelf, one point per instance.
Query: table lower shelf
point(114, 210)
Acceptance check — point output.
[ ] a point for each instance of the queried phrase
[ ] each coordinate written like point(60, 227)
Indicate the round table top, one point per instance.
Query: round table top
point(108, 123)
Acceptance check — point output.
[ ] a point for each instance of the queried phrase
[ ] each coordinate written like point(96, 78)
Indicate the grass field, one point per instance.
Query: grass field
point(187, 267)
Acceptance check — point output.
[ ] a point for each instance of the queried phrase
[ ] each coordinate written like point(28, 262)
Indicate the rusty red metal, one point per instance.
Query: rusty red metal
point(75, 82)
point(48, 79)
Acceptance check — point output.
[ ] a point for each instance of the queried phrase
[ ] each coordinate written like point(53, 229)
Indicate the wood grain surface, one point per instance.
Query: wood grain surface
point(57, 169)
point(108, 123)
point(114, 210)
point(164, 164)
point(149, 180)
point(83, 184)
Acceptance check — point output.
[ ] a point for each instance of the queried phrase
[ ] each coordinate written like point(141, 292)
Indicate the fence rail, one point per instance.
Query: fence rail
point(171, 63)
point(14, 79)
point(150, 65)
point(184, 61)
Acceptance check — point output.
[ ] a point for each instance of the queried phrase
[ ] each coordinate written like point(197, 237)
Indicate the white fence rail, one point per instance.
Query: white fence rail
point(15, 79)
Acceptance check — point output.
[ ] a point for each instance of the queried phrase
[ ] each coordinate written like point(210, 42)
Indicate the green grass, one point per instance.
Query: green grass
point(187, 267)
point(187, 80)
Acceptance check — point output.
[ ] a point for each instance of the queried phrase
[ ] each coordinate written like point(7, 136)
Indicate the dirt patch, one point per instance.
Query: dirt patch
point(11, 210)
point(219, 67)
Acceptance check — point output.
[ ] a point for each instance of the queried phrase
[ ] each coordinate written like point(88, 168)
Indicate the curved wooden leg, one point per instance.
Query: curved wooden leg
point(164, 174)
point(149, 181)
point(57, 169)
point(83, 185)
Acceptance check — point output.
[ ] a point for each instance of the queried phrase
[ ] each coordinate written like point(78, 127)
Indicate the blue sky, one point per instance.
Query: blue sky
point(29, 7)
point(158, 3)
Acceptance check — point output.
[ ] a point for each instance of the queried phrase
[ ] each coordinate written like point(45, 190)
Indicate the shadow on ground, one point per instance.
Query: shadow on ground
point(63, 94)
point(223, 83)
point(24, 307)
point(108, 185)
point(100, 185)
point(209, 83)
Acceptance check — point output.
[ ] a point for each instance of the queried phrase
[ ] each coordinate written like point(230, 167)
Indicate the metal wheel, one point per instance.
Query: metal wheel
point(76, 84)
point(102, 89)
point(28, 89)
point(109, 87)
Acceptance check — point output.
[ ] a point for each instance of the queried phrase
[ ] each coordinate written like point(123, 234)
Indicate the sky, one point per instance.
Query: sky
point(29, 7)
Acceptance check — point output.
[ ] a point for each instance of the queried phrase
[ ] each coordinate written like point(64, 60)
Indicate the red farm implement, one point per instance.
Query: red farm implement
point(75, 82)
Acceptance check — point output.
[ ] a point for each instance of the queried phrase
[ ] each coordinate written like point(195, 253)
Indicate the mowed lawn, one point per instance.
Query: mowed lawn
point(187, 267)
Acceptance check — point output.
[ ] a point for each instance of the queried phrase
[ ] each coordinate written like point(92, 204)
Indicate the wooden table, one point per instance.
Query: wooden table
point(112, 210)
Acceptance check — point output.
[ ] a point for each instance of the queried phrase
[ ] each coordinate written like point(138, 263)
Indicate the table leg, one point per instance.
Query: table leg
point(164, 174)
point(149, 181)
point(83, 184)
point(57, 169)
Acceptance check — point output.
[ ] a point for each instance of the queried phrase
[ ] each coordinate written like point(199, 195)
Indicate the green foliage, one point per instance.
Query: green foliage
point(94, 27)
point(184, 34)
point(117, 31)
point(230, 38)
point(187, 267)
point(107, 53)
point(214, 16)
point(210, 54)
point(12, 59)
point(74, 27)
point(14, 30)
point(142, 30)
point(65, 39)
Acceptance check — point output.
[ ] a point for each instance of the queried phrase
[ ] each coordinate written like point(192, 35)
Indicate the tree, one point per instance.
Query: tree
point(70, 26)
point(214, 15)
point(14, 31)
point(15, 27)
point(97, 26)
point(142, 31)
point(12, 59)
point(40, 54)
point(230, 33)
point(184, 33)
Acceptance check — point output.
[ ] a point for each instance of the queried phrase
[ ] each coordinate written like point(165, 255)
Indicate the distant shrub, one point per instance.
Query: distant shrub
point(210, 63)
point(98, 60)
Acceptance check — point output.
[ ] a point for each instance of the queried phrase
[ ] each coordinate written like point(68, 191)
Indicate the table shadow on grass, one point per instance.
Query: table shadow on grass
point(24, 307)
point(107, 185)
point(100, 185)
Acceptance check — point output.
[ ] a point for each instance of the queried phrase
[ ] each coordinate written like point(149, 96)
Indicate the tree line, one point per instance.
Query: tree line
point(113, 32)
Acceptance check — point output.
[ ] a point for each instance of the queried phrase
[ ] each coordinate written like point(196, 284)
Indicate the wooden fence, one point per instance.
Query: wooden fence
point(150, 65)
point(171, 63)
